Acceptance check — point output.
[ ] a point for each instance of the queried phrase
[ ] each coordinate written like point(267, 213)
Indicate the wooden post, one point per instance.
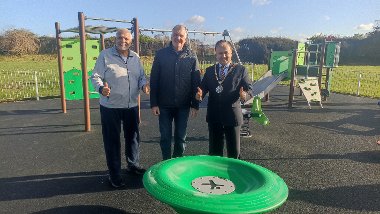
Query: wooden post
point(82, 35)
point(136, 34)
point(102, 45)
point(60, 66)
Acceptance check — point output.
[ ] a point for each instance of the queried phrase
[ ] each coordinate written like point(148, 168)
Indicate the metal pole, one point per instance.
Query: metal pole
point(358, 90)
point(321, 63)
point(268, 64)
point(327, 83)
point(60, 66)
point(237, 55)
point(36, 82)
point(82, 35)
point(292, 78)
point(253, 71)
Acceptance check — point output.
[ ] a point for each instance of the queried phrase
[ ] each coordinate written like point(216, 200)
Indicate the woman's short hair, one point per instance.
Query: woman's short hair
point(221, 42)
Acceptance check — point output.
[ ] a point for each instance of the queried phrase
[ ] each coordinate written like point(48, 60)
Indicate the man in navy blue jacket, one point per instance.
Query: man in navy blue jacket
point(175, 77)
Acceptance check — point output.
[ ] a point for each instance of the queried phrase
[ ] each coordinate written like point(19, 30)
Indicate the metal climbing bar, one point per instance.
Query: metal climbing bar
point(108, 20)
point(189, 31)
point(155, 30)
point(93, 29)
point(205, 32)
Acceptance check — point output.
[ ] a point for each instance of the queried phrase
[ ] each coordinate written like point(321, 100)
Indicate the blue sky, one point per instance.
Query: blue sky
point(243, 18)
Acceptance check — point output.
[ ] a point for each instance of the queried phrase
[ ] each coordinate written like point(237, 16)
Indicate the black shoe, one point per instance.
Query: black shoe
point(116, 183)
point(136, 170)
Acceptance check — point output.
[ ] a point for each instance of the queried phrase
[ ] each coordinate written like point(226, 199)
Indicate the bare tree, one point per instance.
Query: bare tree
point(19, 42)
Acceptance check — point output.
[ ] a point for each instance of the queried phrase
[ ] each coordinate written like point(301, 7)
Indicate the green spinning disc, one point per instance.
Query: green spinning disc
point(212, 184)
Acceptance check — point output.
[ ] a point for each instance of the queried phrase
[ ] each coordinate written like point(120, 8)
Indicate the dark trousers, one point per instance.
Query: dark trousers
point(111, 119)
point(217, 132)
point(166, 117)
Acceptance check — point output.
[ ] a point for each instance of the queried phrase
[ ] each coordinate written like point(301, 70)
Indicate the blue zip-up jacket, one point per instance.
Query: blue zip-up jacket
point(124, 79)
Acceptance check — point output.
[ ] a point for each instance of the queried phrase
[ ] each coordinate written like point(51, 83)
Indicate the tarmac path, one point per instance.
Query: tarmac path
point(328, 157)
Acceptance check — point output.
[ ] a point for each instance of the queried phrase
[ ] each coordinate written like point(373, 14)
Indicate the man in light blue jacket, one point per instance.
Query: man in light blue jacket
point(119, 76)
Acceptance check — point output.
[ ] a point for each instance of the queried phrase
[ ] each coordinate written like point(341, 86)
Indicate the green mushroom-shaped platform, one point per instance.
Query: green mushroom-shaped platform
point(212, 184)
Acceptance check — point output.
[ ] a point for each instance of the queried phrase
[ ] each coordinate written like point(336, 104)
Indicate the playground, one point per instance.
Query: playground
point(303, 156)
point(328, 157)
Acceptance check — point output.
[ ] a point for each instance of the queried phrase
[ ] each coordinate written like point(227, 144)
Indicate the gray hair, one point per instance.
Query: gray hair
point(122, 30)
point(178, 27)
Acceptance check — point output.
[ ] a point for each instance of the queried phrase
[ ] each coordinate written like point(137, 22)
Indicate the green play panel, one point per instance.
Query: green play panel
point(280, 61)
point(332, 54)
point(71, 60)
point(71, 57)
point(73, 85)
point(212, 184)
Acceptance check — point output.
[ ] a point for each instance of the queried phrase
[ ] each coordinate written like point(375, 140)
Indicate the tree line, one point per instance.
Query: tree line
point(360, 49)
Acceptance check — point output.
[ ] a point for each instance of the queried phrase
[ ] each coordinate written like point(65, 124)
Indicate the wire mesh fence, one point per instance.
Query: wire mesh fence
point(28, 84)
point(356, 82)
point(34, 84)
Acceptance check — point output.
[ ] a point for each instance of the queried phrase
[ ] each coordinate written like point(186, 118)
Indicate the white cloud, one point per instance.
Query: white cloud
point(260, 2)
point(276, 30)
point(196, 19)
point(238, 30)
point(365, 27)
point(237, 33)
point(301, 37)
point(221, 18)
point(326, 17)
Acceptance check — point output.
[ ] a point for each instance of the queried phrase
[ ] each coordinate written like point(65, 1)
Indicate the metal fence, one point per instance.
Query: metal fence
point(35, 84)
point(28, 84)
point(358, 83)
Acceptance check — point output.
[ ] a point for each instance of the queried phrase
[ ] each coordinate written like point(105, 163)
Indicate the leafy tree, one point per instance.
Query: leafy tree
point(258, 49)
point(357, 49)
point(48, 45)
point(109, 42)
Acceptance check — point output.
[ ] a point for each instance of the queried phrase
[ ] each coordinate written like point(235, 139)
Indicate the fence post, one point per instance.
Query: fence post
point(253, 71)
point(36, 82)
point(358, 89)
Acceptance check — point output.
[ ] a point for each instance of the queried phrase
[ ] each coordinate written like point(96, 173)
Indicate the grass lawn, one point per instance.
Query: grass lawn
point(18, 77)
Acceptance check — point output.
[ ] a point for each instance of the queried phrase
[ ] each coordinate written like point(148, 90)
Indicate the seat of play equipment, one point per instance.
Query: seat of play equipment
point(212, 184)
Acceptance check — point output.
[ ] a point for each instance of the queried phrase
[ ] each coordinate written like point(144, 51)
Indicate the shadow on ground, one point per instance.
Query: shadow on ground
point(88, 209)
point(45, 186)
point(363, 157)
point(360, 197)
